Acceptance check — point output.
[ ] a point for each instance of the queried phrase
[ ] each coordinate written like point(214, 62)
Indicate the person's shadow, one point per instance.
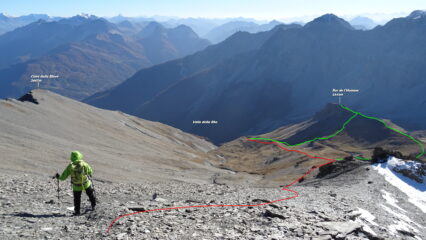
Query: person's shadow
point(30, 215)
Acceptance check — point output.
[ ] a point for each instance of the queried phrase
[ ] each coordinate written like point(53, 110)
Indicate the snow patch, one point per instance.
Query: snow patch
point(401, 217)
point(6, 15)
point(368, 229)
point(366, 215)
point(415, 191)
point(390, 200)
point(404, 223)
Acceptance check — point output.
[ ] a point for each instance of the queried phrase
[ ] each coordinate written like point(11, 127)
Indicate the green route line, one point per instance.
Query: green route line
point(362, 158)
point(343, 127)
point(391, 128)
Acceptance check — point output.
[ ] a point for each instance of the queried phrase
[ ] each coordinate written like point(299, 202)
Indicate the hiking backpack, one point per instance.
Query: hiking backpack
point(78, 173)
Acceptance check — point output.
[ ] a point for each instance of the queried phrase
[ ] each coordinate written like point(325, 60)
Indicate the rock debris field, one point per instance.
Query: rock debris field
point(351, 206)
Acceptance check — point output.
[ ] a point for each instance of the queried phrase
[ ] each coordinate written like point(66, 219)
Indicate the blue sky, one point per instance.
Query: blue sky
point(260, 9)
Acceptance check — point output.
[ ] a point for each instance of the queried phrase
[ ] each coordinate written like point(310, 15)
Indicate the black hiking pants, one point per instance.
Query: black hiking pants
point(77, 199)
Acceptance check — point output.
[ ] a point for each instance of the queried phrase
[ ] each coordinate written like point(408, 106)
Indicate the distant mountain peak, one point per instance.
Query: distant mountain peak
point(417, 17)
point(151, 29)
point(274, 22)
point(183, 29)
point(125, 23)
point(329, 20)
point(5, 16)
point(86, 15)
point(417, 14)
point(39, 22)
point(363, 23)
point(78, 19)
point(153, 24)
point(329, 17)
point(331, 110)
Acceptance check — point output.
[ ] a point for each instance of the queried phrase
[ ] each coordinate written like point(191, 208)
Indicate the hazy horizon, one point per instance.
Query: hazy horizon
point(377, 17)
point(265, 10)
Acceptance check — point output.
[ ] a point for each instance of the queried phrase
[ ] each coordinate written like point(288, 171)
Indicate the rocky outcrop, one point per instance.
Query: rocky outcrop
point(28, 98)
point(339, 167)
point(413, 170)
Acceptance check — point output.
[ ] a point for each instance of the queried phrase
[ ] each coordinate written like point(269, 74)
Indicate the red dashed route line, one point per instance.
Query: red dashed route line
point(285, 188)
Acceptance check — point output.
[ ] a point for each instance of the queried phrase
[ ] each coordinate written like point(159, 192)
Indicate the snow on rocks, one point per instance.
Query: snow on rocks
point(391, 200)
point(411, 169)
point(408, 177)
point(415, 190)
point(403, 224)
point(366, 215)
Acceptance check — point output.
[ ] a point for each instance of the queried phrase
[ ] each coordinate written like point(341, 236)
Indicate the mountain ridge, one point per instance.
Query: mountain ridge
point(237, 44)
point(289, 66)
point(89, 54)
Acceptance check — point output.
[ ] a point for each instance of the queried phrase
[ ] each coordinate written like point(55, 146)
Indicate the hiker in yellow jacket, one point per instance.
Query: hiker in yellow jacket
point(80, 171)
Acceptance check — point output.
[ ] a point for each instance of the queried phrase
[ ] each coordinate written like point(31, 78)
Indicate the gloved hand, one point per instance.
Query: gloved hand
point(57, 175)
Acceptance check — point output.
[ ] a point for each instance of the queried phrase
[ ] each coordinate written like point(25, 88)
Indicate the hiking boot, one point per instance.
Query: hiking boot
point(76, 214)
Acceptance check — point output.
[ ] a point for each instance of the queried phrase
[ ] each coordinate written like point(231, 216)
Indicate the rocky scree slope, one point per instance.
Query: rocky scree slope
point(351, 206)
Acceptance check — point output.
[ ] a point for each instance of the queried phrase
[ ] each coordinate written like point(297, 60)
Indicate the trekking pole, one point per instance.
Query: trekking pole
point(93, 186)
point(91, 180)
point(58, 189)
point(57, 182)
